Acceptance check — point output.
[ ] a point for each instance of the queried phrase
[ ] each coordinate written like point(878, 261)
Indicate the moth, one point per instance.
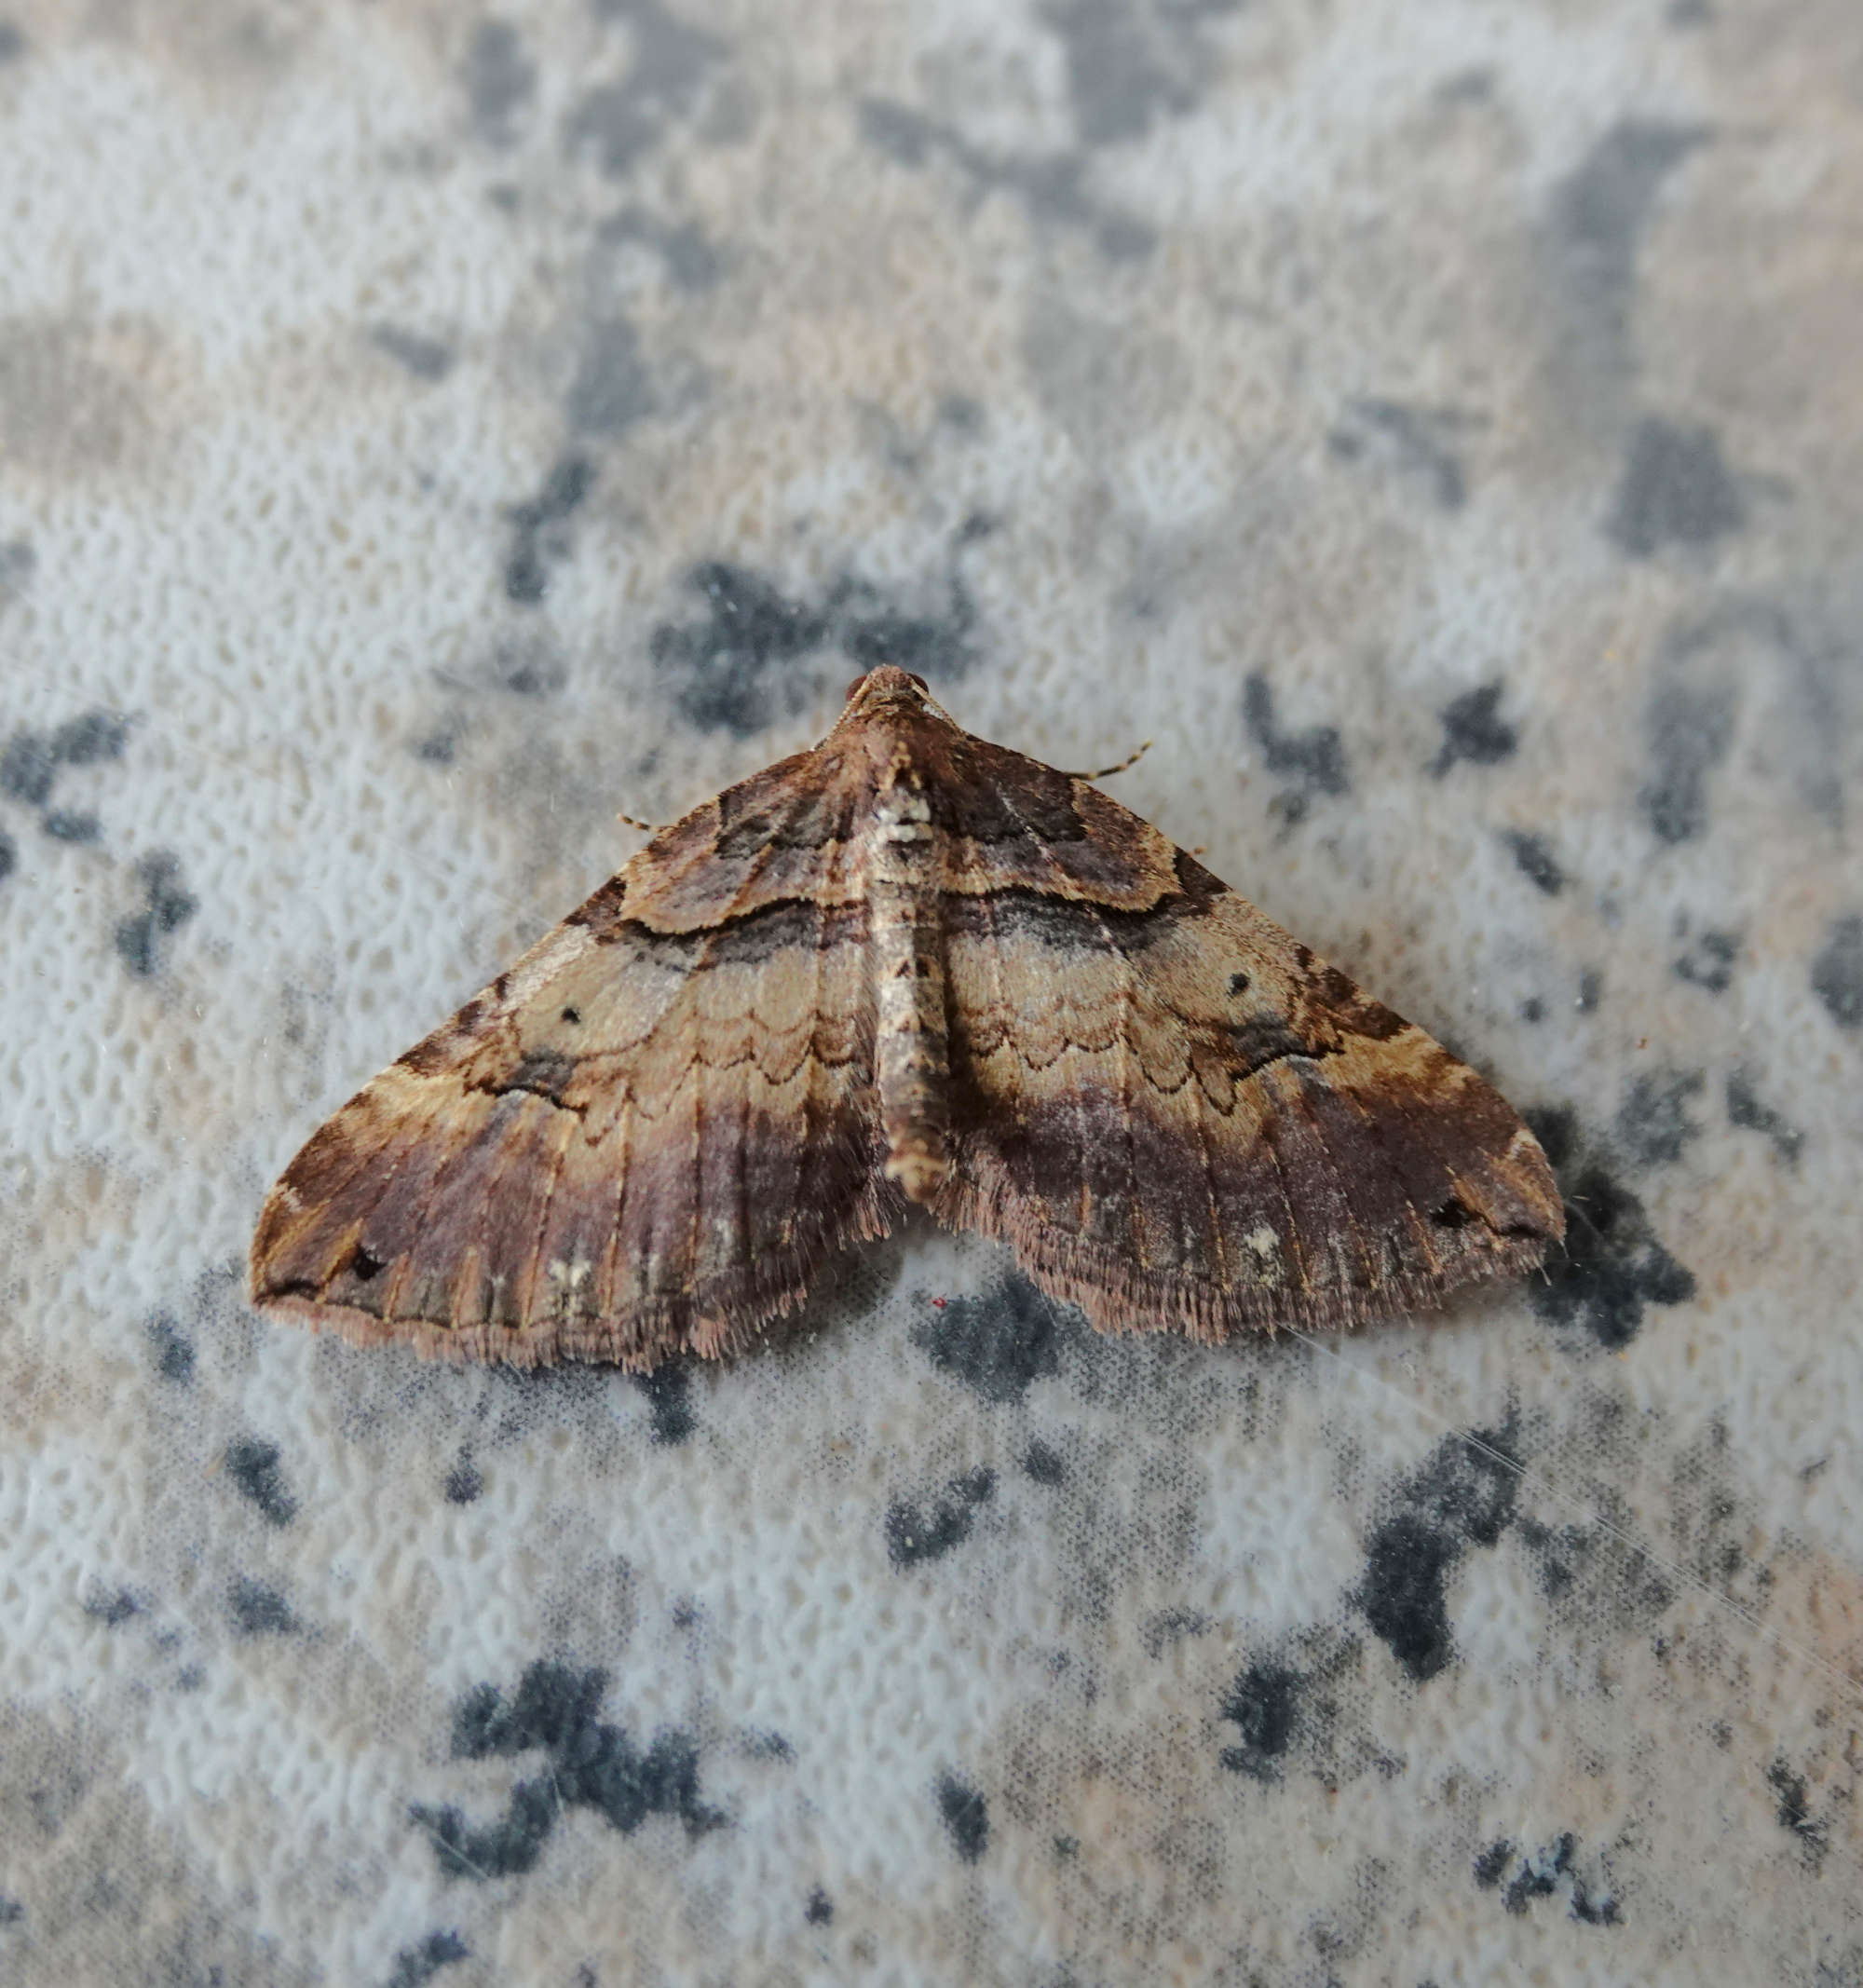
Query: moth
point(907, 966)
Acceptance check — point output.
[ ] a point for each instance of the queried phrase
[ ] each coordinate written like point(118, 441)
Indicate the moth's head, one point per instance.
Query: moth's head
point(887, 684)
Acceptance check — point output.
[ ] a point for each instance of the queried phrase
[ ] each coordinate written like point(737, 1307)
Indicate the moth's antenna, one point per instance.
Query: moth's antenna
point(1106, 773)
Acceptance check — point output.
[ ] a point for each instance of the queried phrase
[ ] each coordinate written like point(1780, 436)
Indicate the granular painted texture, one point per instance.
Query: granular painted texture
point(1437, 427)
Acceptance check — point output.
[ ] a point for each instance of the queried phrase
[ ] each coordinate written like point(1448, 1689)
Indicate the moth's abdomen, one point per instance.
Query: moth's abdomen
point(911, 1065)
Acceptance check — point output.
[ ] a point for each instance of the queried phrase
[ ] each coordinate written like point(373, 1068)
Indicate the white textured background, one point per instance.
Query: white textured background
point(1438, 424)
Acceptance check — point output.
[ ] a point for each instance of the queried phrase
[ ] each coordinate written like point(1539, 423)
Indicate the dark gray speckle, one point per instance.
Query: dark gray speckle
point(966, 1815)
point(500, 81)
point(87, 740)
point(257, 1610)
point(174, 1354)
point(27, 768)
point(612, 390)
point(591, 1764)
point(1708, 963)
point(1472, 729)
point(1652, 1121)
point(689, 260)
point(540, 534)
point(254, 1467)
point(1054, 188)
point(1534, 859)
point(1421, 439)
point(1746, 1109)
point(1262, 1704)
point(112, 1607)
point(12, 42)
point(1599, 216)
point(426, 358)
point(463, 1482)
point(167, 907)
point(1045, 1465)
point(1689, 730)
point(1837, 972)
point(1611, 1265)
point(1127, 65)
point(668, 1393)
point(621, 122)
point(998, 1343)
point(1676, 491)
point(1313, 759)
point(914, 1536)
point(819, 1910)
point(414, 1967)
point(71, 825)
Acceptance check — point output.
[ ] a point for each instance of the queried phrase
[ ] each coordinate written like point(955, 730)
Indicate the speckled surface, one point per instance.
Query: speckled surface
point(1437, 426)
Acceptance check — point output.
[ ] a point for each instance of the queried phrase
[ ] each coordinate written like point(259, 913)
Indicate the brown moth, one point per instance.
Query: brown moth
point(906, 966)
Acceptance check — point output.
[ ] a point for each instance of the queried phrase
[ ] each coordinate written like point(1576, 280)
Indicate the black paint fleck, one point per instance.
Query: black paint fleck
point(1474, 730)
point(724, 664)
point(667, 1389)
point(1745, 1109)
point(500, 81)
point(966, 1816)
point(1793, 1813)
point(27, 768)
point(590, 1762)
point(1262, 1704)
point(167, 907)
point(112, 1607)
point(9, 855)
point(997, 1343)
point(1533, 857)
point(1708, 963)
point(1464, 1495)
point(465, 1483)
point(1491, 1863)
point(1314, 759)
point(819, 1910)
point(540, 536)
point(1539, 1876)
point(1542, 1874)
point(1652, 1122)
point(1609, 1267)
point(174, 1355)
point(1689, 733)
point(414, 1967)
point(1043, 1464)
point(1590, 990)
point(1837, 972)
point(11, 1910)
point(914, 1536)
point(1676, 490)
point(257, 1610)
point(253, 1466)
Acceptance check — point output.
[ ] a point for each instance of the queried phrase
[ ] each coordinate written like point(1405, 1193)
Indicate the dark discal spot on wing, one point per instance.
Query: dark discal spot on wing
point(544, 1072)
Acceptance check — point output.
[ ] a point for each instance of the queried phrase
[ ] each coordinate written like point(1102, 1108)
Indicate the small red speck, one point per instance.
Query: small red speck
point(938, 1304)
